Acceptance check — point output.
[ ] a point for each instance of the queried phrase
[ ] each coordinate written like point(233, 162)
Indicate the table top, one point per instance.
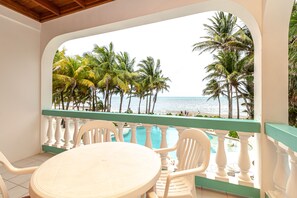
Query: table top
point(112, 169)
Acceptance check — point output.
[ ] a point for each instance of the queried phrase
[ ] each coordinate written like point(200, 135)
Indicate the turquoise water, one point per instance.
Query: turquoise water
point(171, 136)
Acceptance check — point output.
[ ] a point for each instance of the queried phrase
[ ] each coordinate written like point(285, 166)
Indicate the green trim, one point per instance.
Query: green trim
point(221, 186)
point(51, 149)
point(195, 122)
point(283, 133)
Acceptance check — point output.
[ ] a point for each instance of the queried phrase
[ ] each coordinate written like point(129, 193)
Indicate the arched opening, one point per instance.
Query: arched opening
point(185, 11)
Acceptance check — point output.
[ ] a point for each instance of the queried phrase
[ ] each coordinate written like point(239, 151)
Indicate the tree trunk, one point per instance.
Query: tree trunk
point(237, 102)
point(219, 106)
point(154, 101)
point(150, 102)
point(121, 101)
point(229, 88)
point(62, 100)
point(146, 104)
point(129, 102)
point(93, 101)
point(140, 98)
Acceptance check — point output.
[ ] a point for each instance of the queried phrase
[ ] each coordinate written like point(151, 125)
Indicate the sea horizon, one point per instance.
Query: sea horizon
point(176, 104)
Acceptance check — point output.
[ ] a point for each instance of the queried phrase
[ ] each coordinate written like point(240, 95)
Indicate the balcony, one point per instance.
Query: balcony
point(26, 90)
point(241, 178)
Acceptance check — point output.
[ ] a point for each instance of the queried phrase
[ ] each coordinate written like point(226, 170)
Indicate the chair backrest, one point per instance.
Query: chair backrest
point(95, 132)
point(193, 149)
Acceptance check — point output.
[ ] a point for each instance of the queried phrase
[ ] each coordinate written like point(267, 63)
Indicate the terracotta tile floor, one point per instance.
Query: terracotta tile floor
point(18, 185)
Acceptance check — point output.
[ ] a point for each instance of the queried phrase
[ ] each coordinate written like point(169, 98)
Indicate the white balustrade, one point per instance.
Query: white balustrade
point(291, 188)
point(133, 132)
point(148, 139)
point(244, 162)
point(281, 171)
point(76, 129)
point(50, 134)
point(163, 145)
point(221, 158)
point(121, 129)
point(58, 133)
point(67, 138)
point(72, 127)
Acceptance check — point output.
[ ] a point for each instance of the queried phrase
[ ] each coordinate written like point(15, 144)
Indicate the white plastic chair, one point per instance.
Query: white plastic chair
point(193, 154)
point(96, 131)
point(14, 170)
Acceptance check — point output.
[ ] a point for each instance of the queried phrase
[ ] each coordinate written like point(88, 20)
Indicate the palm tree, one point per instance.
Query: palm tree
point(151, 74)
point(219, 33)
point(126, 74)
point(214, 89)
point(233, 59)
point(105, 58)
point(68, 74)
point(160, 84)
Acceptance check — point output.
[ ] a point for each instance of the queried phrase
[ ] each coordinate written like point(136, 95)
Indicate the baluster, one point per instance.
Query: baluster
point(133, 132)
point(67, 144)
point(244, 162)
point(164, 145)
point(221, 159)
point(50, 135)
point(292, 180)
point(148, 139)
point(121, 128)
point(180, 130)
point(76, 129)
point(58, 132)
point(281, 170)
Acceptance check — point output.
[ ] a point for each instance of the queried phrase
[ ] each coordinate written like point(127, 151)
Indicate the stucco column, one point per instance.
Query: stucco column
point(272, 89)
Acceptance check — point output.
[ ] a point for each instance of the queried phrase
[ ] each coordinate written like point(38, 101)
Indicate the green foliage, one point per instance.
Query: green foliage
point(293, 68)
point(231, 73)
point(78, 80)
point(233, 134)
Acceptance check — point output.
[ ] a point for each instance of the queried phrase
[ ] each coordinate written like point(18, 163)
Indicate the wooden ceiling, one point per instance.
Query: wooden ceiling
point(45, 10)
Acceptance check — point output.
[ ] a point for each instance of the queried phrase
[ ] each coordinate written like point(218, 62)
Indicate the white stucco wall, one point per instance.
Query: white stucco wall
point(19, 85)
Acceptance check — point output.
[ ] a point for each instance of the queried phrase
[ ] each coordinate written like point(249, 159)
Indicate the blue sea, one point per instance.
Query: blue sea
point(175, 105)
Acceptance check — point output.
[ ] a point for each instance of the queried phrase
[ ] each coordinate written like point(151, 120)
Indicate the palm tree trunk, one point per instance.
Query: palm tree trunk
point(219, 100)
point(150, 102)
point(146, 105)
point(229, 88)
point(129, 103)
point(109, 102)
point(154, 101)
point(237, 102)
point(62, 100)
point(93, 101)
point(140, 98)
point(121, 101)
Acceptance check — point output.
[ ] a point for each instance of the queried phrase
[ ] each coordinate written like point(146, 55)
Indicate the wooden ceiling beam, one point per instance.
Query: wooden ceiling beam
point(48, 6)
point(81, 3)
point(20, 8)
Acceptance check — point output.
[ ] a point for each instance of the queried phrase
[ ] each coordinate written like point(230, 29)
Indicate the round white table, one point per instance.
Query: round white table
point(112, 169)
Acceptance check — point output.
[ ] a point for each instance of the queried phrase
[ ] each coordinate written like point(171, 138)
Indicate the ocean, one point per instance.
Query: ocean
point(195, 105)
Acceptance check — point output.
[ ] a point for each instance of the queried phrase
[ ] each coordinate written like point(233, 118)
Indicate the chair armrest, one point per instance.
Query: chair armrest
point(182, 173)
point(165, 150)
point(22, 171)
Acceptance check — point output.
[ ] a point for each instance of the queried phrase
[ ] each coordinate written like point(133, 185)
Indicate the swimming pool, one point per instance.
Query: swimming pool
point(172, 137)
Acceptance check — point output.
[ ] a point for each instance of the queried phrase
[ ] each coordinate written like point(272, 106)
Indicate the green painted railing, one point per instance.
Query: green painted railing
point(283, 133)
point(195, 122)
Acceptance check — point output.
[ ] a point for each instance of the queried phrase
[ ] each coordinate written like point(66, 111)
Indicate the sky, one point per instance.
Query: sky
point(171, 41)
